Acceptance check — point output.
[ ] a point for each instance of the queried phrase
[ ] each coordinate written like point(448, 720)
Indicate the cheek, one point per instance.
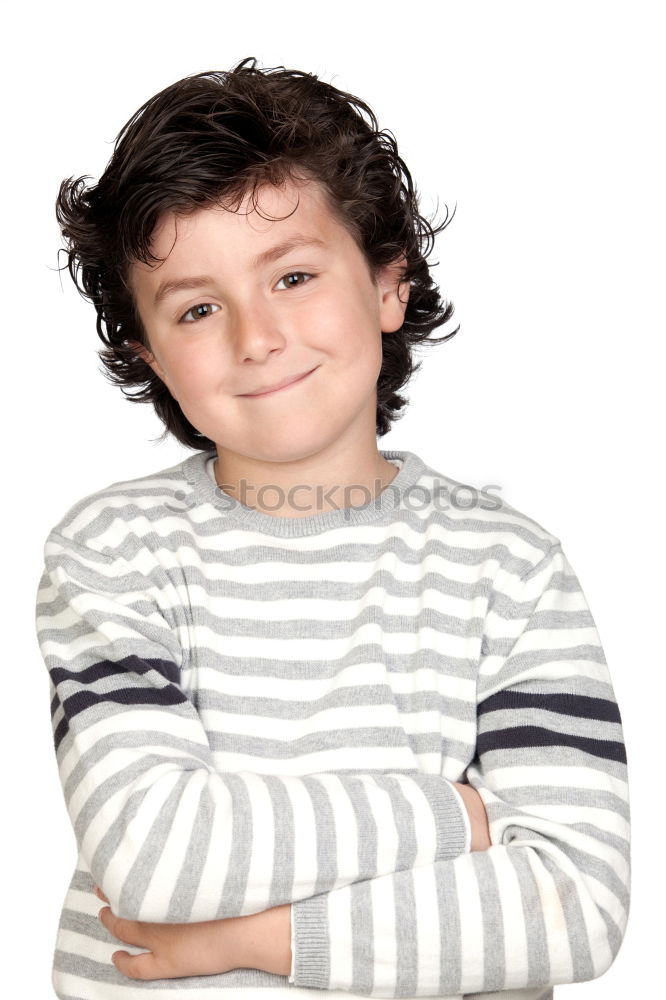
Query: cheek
point(357, 372)
point(348, 330)
point(192, 370)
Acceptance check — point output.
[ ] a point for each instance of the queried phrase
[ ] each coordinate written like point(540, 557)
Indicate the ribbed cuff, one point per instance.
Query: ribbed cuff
point(311, 961)
point(454, 831)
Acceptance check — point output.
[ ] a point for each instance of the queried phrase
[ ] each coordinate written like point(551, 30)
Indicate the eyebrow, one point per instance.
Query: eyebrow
point(167, 288)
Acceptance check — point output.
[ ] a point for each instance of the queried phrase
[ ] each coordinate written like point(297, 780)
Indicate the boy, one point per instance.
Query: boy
point(317, 725)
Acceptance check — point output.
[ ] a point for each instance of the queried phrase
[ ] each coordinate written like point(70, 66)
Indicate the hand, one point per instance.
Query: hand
point(175, 950)
point(206, 948)
point(478, 817)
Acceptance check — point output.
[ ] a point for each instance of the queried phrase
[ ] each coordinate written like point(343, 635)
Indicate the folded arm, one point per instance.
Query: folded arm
point(265, 942)
point(166, 836)
point(548, 901)
point(257, 941)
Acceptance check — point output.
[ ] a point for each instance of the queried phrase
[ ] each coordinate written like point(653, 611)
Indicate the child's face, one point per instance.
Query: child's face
point(252, 324)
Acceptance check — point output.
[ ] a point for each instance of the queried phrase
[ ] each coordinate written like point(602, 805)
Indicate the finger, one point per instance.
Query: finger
point(136, 966)
point(129, 931)
point(105, 916)
point(100, 894)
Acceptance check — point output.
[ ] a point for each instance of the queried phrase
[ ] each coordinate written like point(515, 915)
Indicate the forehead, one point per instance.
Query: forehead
point(271, 214)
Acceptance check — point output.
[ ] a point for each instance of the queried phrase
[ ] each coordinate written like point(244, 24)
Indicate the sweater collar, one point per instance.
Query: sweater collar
point(386, 502)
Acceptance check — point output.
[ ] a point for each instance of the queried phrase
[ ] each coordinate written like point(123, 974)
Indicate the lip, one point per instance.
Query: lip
point(280, 385)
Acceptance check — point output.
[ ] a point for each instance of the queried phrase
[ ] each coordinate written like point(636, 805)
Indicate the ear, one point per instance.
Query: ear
point(149, 358)
point(393, 294)
point(145, 354)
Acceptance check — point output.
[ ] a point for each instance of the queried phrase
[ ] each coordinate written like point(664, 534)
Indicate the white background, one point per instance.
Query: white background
point(542, 124)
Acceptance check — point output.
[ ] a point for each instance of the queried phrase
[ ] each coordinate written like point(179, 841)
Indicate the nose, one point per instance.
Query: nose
point(256, 330)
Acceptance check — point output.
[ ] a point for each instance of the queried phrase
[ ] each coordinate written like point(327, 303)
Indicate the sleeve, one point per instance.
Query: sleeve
point(548, 901)
point(167, 836)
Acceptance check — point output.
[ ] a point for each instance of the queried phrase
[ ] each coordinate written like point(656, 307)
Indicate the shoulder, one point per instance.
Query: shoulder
point(478, 525)
point(101, 520)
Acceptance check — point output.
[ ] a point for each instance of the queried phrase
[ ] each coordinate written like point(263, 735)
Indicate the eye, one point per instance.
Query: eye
point(296, 274)
point(195, 309)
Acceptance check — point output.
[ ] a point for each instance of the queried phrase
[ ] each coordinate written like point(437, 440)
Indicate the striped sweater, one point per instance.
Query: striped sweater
point(251, 710)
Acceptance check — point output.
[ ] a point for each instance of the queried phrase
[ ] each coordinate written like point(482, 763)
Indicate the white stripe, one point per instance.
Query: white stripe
point(428, 930)
point(557, 938)
point(557, 639)
point(326, 650)
point(216, 864)
point(557, 776)
point(305, 845)
point(312, 689)
point(557, 670)
point(384, 935)
point(320, 761)
point(227, 607)
point(262, 860)
point(83, 902)
point(603, 896)
point(468, 896)
point(340, 937)
point(513, 918)
point(603, 819)
point(342, 718)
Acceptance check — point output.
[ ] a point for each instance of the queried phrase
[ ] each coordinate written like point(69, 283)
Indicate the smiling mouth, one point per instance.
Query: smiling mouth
point(271, 392)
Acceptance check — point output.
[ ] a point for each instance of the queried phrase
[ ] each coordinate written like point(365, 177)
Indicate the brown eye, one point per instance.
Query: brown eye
point(295, 274)
point(198, 313)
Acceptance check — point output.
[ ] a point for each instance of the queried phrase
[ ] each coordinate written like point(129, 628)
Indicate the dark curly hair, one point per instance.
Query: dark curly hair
point(218, 135)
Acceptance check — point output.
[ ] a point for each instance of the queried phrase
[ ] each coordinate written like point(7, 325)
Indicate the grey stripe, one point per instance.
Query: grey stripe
point(285, 831)
point(242, 836)
point(538, 961)
point(404, 820)
point(407, 961)
point(327, 860)
point(362, 936)
point(185, 890)
point(138, 877)
point(368, 845)
point(583, 964)
point(494, 976)
point(448, 917)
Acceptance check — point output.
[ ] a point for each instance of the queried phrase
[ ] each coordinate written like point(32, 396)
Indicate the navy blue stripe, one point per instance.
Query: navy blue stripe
point(60, 732)
point(566, 704)
point(81, 700)
point(110, 668)
point(535, 736)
